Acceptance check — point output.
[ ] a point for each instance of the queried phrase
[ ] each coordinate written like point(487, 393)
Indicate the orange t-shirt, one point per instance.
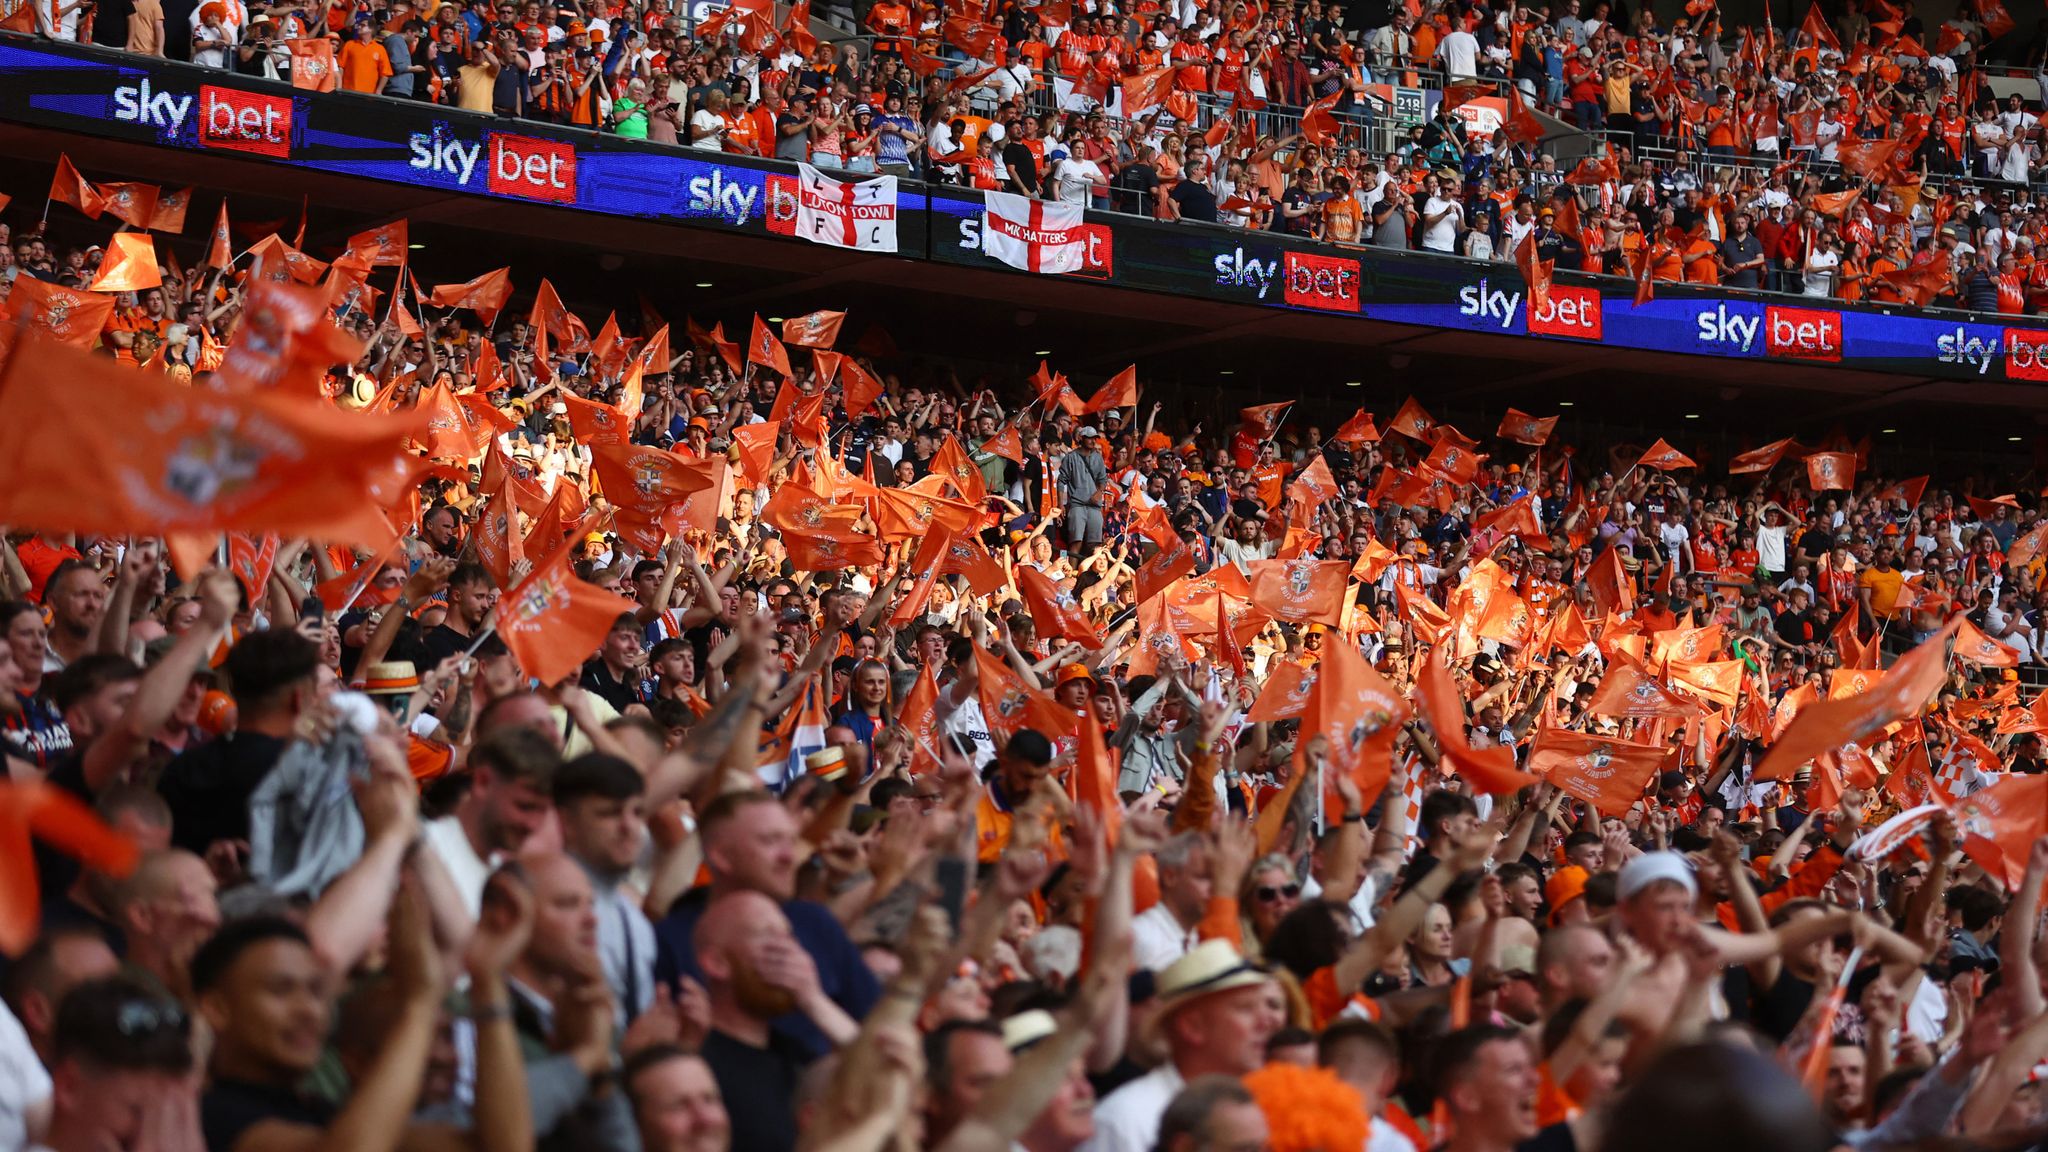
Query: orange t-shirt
point(1703, 271)
point(362, 63)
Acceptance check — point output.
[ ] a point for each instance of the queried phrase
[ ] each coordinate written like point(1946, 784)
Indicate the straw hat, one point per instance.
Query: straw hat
point(391, 678)
point(1210, 968)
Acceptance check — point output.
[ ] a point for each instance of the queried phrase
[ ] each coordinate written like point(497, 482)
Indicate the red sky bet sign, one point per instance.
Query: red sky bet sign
point(1803, 334)
point(533, 168)
point(1325, 283)
point(1570, 311)
point(245, 121)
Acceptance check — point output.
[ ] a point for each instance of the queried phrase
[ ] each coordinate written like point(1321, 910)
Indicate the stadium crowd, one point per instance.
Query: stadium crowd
point(603, 741)
point(1862, 154)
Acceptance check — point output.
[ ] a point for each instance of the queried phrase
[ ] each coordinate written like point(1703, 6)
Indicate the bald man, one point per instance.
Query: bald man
point(166, 910)
point(755, 971)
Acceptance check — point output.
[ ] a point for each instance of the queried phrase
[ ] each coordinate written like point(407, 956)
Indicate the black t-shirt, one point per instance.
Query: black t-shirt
point(1816, 542)
point(442, 643)
point(1021, 164)
point(597, 680)
point(208, 788)
point(231, 1107)
point(1195, 200)
point(759, 1088)
point(1796, 627)
point(1134, 184)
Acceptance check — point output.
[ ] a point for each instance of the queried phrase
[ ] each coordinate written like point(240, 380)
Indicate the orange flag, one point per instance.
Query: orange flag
point(1286, 693)
point(1609, 774)
point(919, 716)
point(1360, 714)
point(1454, 461)
point(1565, 631)
point(1535, 273)
point(1901, 695)
point(1413, 422)
point(63, 314)
point(1304, 590)
point(358, 585)
point(313, 66)
point(1974, 646)
point(1264, 419)
point(132, 204)
point(1627, 689)
point(965, 556)
point(795, 509)
point(1056, 612)
point(813, 330)
point(2001, 823)
point(1093, 782)
point(1489, 770)
point(764, 349)
point(1165, 566)
point(1613, 591)
point(1005, 443)
point(593, 423)
point(220, 248)
point(647, 479)
point(128, 265)
point(756, 446)
point(1762, 459)
point(553, 621)
point(68, 187)
point(951, 461)
point(1120, 392)
point(1357, 430)
point(1008, 704)
point(1314, 485)
point(830, 550)
point(384, 245)
point(453, 432)
point(251, 559)
point(1523, 428)
point(1516, 518)
point(161, 457)
point(905, 514)
point(37, 811)
point(485, 295)
point(2027, 546)
point(1686, 644)
point(1717, 680)
point(1665, 458)
point(1831, 471)
point(496, 536)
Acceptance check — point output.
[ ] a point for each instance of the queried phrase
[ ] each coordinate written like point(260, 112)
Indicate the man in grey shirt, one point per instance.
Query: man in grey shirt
point(405, 68)
point(1080, 480)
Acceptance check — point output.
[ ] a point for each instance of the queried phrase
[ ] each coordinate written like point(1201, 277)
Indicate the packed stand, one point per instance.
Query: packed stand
point(428, 722)
point(1863, 159)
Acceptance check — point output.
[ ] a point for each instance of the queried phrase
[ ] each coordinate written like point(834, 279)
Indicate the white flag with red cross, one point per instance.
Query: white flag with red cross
point(1033, 235)
point(846, 213)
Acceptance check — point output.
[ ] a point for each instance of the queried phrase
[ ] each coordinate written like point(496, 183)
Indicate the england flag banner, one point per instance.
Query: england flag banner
point(845, 213)
point(1033, 235)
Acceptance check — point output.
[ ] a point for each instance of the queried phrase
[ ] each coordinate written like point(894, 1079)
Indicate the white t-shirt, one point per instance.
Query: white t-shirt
point(23, 1082)
point(1460, 54)
point(1770, 548)
point(1820, 272)
point(1442, 236)
point(705, 120)
point(1075, 177)
point(468, 870)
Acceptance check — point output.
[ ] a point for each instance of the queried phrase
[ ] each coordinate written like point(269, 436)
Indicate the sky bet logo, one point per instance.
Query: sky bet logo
point(1488, 305)
point(1726, 331)
point(533, 168)
point(141, 103)
point(1974, 348)
point(1236, 270)
point(440, 154)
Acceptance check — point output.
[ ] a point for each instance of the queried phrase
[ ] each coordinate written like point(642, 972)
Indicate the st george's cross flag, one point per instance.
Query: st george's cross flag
point(846, 213)
point(1033, 235)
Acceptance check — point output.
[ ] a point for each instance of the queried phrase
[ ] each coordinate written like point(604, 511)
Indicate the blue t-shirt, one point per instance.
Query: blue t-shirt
point(842, 973)
point(895, 149)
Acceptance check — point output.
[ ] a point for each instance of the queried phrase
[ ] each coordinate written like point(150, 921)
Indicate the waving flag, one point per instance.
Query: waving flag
point(160, 457)
point(1120, 392)
point(813, 330)
point(846, 213)
point(1665, 458)
point(1523, 428)
point(1900, 695)
point(1831, 471)
point(1489, 770)
point(1055, 610)
point(484, 295)
point(552, 621)
point(128, 265)
point(68, 187)
point(1761, 459)
point(1033, 235)
point(1609, 774)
